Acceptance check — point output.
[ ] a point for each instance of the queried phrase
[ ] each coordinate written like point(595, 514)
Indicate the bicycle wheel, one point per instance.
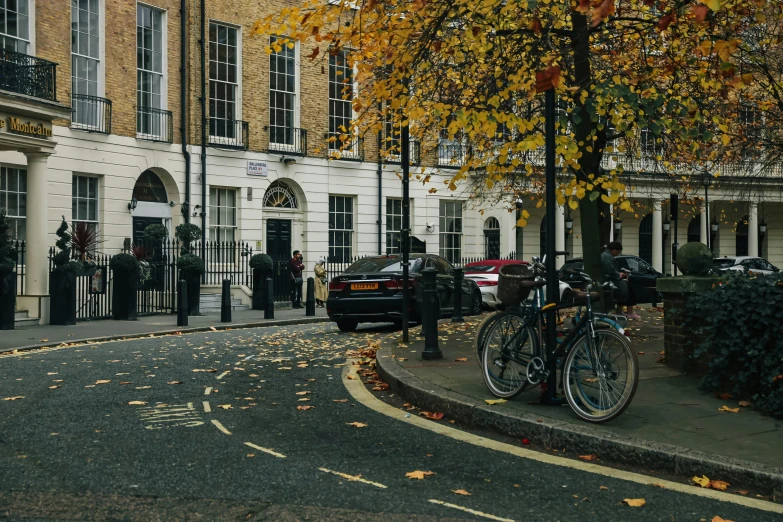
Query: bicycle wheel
point(481, 334)
point(601, 384)
point(509, 346)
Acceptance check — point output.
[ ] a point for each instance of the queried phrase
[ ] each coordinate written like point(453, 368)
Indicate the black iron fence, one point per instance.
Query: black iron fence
point(29, 75)
point(342, 147)
point(451, 154)
point(290, 140)
point(91, 113)
point(154, 125)
point(228, 134)
point(21, 250)
point(226, 260)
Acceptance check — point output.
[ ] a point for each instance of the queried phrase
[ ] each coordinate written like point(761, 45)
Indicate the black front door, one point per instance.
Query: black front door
point(139, 224)
point(278, 239)
point(492, 244)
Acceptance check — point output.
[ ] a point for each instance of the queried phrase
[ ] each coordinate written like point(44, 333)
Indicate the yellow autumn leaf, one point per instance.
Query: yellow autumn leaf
point(702, 481)
point(495, 401)
point(714, 5)
point(357, 424)
point(729, 410)
point(626, 205)
point(460, 492)
point(419, 475)
point(719, 485)
point(635, 502)
point(574, 204)
point(525, 214)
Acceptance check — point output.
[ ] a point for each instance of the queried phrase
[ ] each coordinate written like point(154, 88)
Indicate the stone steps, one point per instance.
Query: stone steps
point(23, 319)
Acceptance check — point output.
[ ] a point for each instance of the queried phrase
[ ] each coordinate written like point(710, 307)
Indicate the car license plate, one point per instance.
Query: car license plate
point(364, 286)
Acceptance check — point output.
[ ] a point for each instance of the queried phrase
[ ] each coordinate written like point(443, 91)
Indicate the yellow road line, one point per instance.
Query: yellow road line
point(207, 407)
point(353, 478)
point(471, 511)
point(207, 390)
point(220, 427)
point(223, 375)
point(357, 390)
point(265, 450)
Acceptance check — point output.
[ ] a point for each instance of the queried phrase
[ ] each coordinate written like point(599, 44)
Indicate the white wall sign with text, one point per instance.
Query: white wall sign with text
point(257, 168)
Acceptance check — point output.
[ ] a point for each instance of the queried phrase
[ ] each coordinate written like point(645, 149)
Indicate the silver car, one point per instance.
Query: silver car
point(747, 264)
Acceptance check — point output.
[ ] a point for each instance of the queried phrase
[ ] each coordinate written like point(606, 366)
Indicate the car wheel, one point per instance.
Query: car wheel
point(347, 325)
point(476, 303)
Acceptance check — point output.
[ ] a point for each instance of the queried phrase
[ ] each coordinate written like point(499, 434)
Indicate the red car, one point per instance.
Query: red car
point(485, 274)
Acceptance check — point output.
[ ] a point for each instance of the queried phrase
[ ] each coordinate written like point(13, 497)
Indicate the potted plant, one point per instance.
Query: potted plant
point(7, 277)
point(190, 268)
point(84, 239)
point(62, 281)
point(154, 236)
point(126, 270)
point(262, 266)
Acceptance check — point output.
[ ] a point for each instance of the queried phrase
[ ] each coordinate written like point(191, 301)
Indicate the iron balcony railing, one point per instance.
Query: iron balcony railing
point(451, 154)
point(154, 125)
point(394, 156)
point(343, 147)
point(290, 140)
point(228, 134)
point(91, 113)
point(28, 75)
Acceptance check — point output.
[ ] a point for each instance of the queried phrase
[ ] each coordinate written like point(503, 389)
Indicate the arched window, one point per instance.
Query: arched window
point(492, 238)
point(742, 237)
point(280, 195)
point(645, 238)
point(694, 230)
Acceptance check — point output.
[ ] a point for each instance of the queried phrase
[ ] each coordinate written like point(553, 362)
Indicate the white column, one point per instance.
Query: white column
point(657, 238)
point(753, 230)
point(36, 257)
point(560, 233)
point(704, 227)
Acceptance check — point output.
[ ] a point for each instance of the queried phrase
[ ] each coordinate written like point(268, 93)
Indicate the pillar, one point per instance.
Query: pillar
point(37, 255)
point(704, 227)
point(657, 238)
point(560, 233)
point(753, 229)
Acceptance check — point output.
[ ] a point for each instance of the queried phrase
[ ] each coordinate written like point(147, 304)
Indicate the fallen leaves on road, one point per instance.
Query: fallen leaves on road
point(224, 406)
point(137, 403)
point(103, 381)
point(357, 424)
point(339, 400)
point(461, 359)
point(729, 410)
point(656, 485)
point(419, 475)
point(588, 457)
point(205, 370)
point(381, 387)
point(460, 492)
point(702, 481)
point(745, 404)
point(603, 487)
point(640, 353)
point(305, 408)
point(495, 401)
point(724, 396)
point(174, 382)
point(54, 387)
point(635, 502)
point(719, 485)
point(143, 387)
point(431, 415)
point(213, 328)
point(14, 398)
point(303, 393)
point(716, 518)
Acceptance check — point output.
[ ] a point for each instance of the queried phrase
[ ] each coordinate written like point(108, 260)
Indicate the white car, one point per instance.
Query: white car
point(485, 274)
point(747, 264)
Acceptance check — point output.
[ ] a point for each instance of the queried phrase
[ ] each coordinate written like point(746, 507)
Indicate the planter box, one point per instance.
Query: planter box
point(62, 301)
point(124, 297)
point(8, 301)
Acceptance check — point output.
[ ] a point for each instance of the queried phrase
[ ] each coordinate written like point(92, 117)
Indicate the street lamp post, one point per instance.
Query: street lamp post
point(618, 227)
point(762, 233)
point(713, 231)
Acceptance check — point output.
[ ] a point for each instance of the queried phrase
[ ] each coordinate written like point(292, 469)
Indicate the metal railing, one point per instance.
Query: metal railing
point(21, 250)
point(394, 156)
point(290, 140)
point(91, 113)
point(342, 147)
point(451, 154)
point(28, 75)
point(154, 125)
point(228, 134)
point(226, 260)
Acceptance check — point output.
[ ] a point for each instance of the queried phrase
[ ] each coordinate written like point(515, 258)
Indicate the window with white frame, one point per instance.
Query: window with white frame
point(84, 201)
point(222, 214)
point(340, 228)
point(340, 104)
point(750, 122)
point(15, 25)
point(282, 93)
point(649, 143)
point(393, 226)
point(13, 200)
point(451, 230)
point(85, 61)
point(223, 80)
point(149, 73)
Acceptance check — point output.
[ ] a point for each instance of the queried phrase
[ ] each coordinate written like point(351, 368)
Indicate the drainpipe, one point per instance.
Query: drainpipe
point(202, 43)
point(184, 105)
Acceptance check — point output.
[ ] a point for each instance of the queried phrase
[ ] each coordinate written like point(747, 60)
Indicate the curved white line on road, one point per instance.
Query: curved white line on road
point(265, 450)
point(357, 390)
point(471, 511)
point(353, 478)
point(219, 426)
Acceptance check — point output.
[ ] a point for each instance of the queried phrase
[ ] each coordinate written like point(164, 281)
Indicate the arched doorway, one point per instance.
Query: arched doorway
point(694, 230)
point(149, 204)
point(280, 201)
point(492, 238)
point(645, 238)
point(742, 237)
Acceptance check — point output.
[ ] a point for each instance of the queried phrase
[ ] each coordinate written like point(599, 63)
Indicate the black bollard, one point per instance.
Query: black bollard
point(182, 303)
point(456, 316)
point(429, 323)
point(269, 305)
point(225, 302)
point(310, 304)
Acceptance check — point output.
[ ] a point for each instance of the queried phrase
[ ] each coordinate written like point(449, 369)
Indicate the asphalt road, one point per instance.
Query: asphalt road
point(257, 425)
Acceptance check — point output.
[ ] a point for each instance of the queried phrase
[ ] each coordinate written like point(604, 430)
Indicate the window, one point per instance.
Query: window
point(340, 228)
point(222, 214)
point(282, 94)
point(393, 226)
point(750, 120)
point(85, 60)
point(13, 200)
point(15, 25)
point(649, 143)
point(280, 195)
point(149, 73)
point(223, 80)
point(451, 230)
point(340, 103)
point(84, 201)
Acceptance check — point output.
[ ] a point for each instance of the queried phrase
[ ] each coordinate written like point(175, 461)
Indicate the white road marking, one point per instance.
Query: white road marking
point(265, 450)
point(170, 416)
point(471, 511)
point(219, 426)
point(223, 374)
point(353, 478)
point(207, 407)
point(358, 391)
point(207, 390)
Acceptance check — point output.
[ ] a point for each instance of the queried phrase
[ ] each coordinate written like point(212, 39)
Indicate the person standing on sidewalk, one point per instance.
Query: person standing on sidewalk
point(295, 266)
point(321, 288)
point(610, 272)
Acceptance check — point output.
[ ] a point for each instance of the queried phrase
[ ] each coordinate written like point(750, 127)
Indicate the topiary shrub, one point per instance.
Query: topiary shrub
point(694, 259)
point(742, 338)
point(190, 264)
point(125, 263)
point(62, 259)
point(155, 234)
point(187, 233)
point(261, 262)
point(7, 251)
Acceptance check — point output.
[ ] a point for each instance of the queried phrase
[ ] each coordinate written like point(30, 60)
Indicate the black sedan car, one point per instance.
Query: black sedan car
point(370, 291)
point(641, 276)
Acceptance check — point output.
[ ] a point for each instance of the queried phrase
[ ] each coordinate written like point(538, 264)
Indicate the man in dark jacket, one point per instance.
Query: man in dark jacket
point(295, 266)
point(610, 272)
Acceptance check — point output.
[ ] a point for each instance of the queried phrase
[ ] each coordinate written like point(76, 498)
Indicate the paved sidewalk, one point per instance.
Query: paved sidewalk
point(48, 335)
point(669, 414)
